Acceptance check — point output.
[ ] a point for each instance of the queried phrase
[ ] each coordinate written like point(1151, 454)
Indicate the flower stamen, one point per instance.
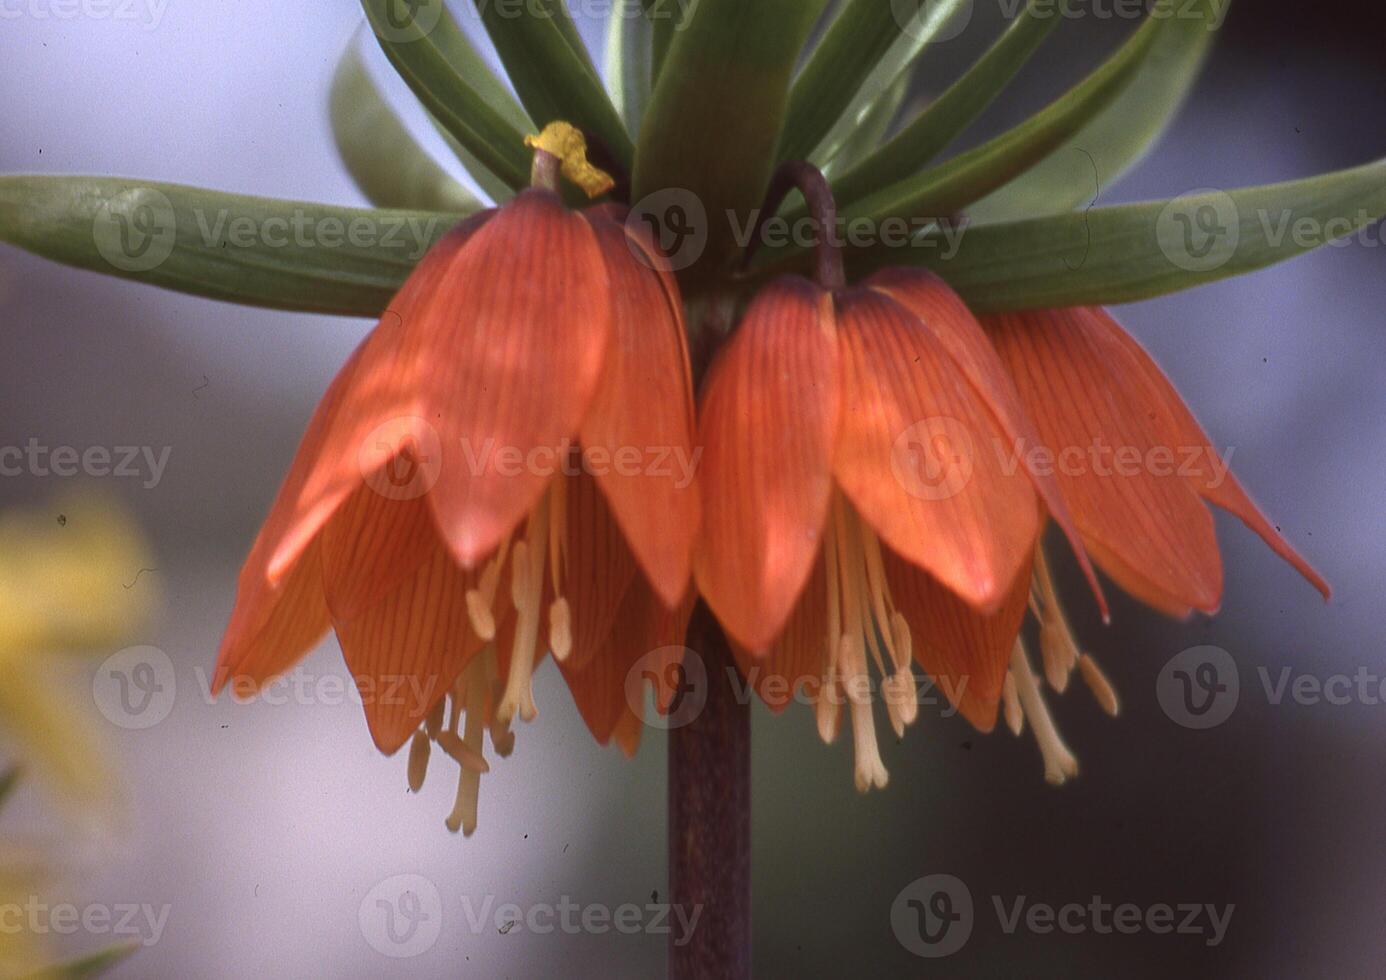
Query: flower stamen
point(1060, 765)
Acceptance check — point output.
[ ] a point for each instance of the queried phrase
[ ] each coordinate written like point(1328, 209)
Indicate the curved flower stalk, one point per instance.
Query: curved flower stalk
point(462, 502)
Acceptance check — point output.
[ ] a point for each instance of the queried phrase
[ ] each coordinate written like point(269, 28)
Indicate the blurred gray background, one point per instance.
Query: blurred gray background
point(264, 828)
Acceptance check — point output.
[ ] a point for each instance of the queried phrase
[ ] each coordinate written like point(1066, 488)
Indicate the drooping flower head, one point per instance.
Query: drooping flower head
point(871, 496)
point(465, 500)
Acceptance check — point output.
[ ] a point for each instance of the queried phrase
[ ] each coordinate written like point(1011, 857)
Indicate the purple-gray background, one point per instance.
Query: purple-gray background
point(264, 828)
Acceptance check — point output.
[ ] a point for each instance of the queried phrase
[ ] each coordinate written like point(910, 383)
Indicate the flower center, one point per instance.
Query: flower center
point(544, 545)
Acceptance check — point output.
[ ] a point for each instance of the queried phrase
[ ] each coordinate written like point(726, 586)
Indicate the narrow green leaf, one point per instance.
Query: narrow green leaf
point(628, 61)
point(715, 116)
point(254, 251)
point(868, 129)
point(1121, 135)
point(1136, 251)
point(386, 162)
point(454, 83)
point(664, 17)
point(865, 48)
point(89, 965)
point(960, 104)
point(951, 186)
point(553, 81)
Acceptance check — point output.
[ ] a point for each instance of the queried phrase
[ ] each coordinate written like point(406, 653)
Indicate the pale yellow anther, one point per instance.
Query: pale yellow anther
point(1060, 765)
point(560, 629)
point(566, 142)
point(479, 613)
point(418, 760)
point(1015, 715)
point(1098, 684)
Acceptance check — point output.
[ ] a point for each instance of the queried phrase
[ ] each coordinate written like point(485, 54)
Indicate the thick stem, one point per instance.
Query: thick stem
point(710, 819)
point(818, 195)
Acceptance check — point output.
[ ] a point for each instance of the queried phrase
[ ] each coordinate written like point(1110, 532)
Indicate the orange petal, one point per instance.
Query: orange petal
point(1144, 524)
point(770, 410)
point(1210, 474)
point(508, 352)
point(637, 435)
point(599, 569)
point(649, 636)
point(406, 650)
point(964, 651)
point(370, 415)
point(943, 312)
point(917, 458)
point(370, 545)
point(272, 626)
point(796, 659)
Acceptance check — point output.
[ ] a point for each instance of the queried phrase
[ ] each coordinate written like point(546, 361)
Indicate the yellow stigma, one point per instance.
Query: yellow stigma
point(566, 142)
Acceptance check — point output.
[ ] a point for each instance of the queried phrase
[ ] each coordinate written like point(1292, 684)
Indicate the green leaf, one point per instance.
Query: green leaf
point(864, 50)
point(9, 779)
point(454, 83)
point(1121, 135)
point(868, 129)
point(1136, 251)
point(554, 82)
point(628, 60)
point(715, 116)
point(386, 162)
point(961, 103)
point(664, 17)
point(251, 250)
point(90, 964)
point(951, 186)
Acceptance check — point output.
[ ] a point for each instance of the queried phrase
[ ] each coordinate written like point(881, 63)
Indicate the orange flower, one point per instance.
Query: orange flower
point(437, 517)
point(846, 513)
point(1134, 464)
